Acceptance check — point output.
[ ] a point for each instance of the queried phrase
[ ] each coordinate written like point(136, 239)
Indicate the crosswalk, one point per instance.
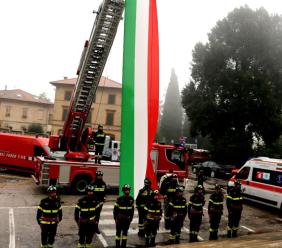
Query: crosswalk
point(107, 223)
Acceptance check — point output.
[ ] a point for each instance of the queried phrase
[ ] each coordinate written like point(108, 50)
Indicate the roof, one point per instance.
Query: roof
point(104, 82)
point(21, 95)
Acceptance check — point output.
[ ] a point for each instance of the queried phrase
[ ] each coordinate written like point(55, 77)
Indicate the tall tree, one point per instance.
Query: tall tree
point(235, 95)
point(171, 121)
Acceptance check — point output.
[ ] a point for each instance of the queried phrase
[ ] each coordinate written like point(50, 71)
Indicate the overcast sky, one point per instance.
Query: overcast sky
point(42, 40)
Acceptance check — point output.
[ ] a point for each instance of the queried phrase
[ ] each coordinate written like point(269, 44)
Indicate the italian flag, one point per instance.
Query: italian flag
point(140, 93)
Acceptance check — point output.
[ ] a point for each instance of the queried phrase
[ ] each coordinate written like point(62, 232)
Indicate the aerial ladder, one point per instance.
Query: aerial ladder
point(74, 137)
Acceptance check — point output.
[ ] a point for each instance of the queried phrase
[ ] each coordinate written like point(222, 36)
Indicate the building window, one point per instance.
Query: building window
point(67, 95)
point(112, 99)
point(8, 111)
point(40, 114)
point(65, 112)
point(24, 116)
point(110, 118)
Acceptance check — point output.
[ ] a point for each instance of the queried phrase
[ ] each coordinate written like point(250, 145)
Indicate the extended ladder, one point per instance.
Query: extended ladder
point(92, 64)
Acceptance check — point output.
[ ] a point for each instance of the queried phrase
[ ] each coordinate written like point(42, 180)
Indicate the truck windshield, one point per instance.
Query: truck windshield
point(176, 156)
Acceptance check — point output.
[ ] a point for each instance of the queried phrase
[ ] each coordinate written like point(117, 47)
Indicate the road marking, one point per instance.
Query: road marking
point(112, 231)
point(112, 221)
point(249, 229)
point(188, 231)
point(102, 240)
point(12, 243)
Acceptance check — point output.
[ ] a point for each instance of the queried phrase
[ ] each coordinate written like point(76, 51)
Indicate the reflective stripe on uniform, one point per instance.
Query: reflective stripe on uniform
point(235, 199)
point(216, 203)
point(54, 211)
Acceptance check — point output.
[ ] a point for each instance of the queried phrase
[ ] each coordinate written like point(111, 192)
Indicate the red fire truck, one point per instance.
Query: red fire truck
point(77, 175)
point(71, 164)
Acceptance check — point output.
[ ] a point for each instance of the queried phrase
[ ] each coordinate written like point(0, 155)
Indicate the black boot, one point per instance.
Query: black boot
point(234, 233)
point(147, 241)
point(123, 243)
point(211, 236)
point(117, 243)
point(229, 234)
point(177, 240)
point(215, 236)
point(192, 237)
point(152, 243)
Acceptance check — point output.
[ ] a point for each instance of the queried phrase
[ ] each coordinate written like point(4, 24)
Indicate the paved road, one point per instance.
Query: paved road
point(19, 198)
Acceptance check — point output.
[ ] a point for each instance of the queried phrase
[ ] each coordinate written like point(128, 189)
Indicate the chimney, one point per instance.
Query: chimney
point(6, 87)
point(65, 78)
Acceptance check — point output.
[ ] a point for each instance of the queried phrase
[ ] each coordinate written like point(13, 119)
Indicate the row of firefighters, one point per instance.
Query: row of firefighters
point(88, 209)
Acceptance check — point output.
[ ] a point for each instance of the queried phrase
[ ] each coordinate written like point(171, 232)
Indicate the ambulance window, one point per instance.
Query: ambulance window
point(244, 173)
point(38, 151)
point(263, 176)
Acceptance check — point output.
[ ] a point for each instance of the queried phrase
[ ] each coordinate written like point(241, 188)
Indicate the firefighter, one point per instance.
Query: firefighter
point(123, 215)
point(99, 140)
point(201, 178)
point(234, 204)
point(49, 214)
point(177, 210)
point(85, 215)
point(195, 212)
point(100, 188)
point(168, 190)
point(143, 197)
point(153, 212)
point(215, 211)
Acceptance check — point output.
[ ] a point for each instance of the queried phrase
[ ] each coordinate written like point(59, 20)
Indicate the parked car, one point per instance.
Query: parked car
point(213, 169)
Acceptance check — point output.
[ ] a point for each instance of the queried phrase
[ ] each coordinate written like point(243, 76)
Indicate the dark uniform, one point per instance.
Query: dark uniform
point(123, 215)
point(99, 140)
point(100, 188)
point(168, 189)
point(201, 178)
point(85, 215)
point(143, 197)
point(177, 211)
point(234, 204)
point(153, 212)
point(49, 214)
point(215, 210)
point(195, 212)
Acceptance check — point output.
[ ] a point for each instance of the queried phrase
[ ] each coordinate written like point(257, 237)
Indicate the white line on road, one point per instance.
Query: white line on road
point(249, 229)
point(12, 243)
point(102, 240)
point(187, 230)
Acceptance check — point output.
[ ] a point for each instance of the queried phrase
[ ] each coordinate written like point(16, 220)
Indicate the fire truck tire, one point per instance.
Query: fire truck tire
point(79, 184)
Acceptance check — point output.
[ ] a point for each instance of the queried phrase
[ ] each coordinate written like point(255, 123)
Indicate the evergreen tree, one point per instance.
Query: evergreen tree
point(171, 121)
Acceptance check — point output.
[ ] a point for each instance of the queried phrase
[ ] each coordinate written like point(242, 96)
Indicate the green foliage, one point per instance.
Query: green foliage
point(35, 128)
point(171, 121)
point(236, 89)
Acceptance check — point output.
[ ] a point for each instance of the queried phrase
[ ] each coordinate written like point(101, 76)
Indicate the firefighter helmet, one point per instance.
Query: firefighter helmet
point(237, 182)
point(125, 187)
point(217, 187)
point(99, 173)
point(180, 189)
point(155, 192)
point(147, 181)
point(90, 188)
point(199, 187)
point(51, 188)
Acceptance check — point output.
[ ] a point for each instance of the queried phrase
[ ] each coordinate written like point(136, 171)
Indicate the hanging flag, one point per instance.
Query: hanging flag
point(140, 92)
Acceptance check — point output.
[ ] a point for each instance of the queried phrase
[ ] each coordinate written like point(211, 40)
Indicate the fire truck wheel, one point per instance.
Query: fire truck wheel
point(79, 184)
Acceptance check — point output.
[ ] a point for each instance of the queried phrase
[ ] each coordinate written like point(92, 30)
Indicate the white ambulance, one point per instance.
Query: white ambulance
point(261, 180)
